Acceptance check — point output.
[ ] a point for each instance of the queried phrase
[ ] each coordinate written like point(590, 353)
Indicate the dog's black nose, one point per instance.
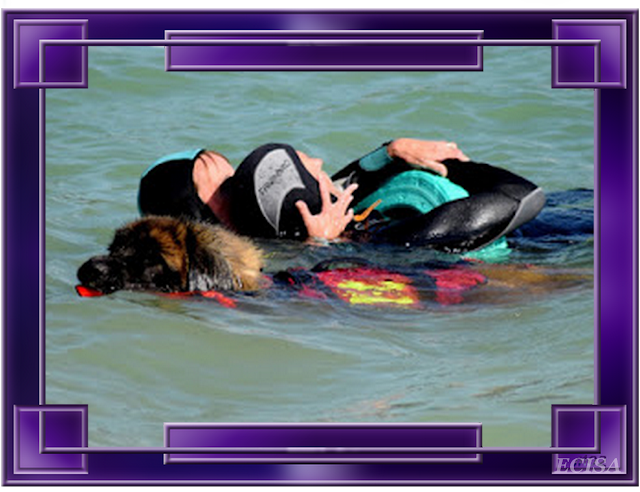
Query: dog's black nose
point(100, 273)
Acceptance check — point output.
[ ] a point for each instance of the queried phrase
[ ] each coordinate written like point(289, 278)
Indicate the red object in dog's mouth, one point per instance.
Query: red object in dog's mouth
point(87, 291)
point(222, 299)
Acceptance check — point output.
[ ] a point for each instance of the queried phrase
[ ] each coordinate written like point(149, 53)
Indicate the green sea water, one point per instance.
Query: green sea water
point(139, 360)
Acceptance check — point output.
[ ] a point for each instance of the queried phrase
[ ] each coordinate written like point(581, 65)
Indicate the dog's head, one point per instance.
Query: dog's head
point(164, 254)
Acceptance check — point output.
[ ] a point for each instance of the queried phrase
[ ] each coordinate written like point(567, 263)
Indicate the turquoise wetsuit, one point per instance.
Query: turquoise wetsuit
point(470, 210)
point(176, 156)
point(473, 208)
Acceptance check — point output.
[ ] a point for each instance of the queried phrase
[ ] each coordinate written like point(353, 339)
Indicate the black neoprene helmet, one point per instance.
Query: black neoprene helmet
point(168, 189)
point(264, 190)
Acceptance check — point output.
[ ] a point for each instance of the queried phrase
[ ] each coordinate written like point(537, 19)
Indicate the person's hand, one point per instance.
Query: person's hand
point(334, 217)
point(426, 153)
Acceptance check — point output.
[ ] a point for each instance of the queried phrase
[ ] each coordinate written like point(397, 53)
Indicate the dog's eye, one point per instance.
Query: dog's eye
point(131, 244)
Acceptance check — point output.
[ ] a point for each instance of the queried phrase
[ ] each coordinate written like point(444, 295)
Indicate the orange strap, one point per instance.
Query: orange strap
point(362, 216)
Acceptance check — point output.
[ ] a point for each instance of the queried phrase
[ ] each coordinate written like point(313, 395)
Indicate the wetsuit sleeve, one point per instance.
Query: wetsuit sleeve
point(499, 201)
point(370, 172)
point(481, 178)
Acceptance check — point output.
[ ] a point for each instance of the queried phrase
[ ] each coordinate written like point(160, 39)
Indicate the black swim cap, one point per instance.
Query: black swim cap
point(265, 189)
point(168, 189)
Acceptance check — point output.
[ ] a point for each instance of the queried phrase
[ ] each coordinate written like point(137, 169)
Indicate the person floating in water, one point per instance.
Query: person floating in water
point(408, 191)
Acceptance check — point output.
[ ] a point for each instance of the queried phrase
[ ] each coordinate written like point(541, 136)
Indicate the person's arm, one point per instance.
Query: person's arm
point(425, 154)
point(395, 157)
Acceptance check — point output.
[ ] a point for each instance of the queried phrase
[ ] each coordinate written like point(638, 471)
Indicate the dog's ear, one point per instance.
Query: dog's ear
point(208, 270)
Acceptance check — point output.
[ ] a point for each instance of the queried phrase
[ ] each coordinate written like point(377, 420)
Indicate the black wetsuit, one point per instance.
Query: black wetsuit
point(477, 205)
point(498, 202)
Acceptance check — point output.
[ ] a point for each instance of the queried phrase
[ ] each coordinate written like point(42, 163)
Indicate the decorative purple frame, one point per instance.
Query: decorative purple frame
point(591, 444)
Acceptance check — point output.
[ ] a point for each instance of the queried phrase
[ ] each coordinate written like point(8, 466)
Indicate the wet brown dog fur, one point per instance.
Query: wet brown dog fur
point(172, 255)
point(165, 254)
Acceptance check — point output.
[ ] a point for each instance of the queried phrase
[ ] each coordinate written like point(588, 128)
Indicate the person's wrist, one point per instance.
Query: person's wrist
point(323, 241)
point(391, 147)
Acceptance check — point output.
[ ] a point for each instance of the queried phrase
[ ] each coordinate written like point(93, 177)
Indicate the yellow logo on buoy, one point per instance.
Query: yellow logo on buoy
point(371, 286)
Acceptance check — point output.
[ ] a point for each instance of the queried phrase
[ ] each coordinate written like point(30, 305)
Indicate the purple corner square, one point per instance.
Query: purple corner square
point(66, 66)
point(581, 66)
point(600, 427)
point(55, 425)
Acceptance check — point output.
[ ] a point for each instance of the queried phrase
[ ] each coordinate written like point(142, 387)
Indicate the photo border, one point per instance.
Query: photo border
point(615, 343)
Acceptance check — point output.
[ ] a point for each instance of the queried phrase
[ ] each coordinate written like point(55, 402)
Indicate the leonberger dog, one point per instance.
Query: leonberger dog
point(165, 254)
point(169, 255)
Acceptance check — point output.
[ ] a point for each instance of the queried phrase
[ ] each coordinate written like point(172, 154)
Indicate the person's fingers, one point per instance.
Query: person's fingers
point(456, 152)
point(347, 196)
point(439, 168)
point(349, 217)
point(460, 156)
point(304, 211)
point(334, 190)
point(453, 152)
point(325, 195)
point(341, 215)
point(344, 205)
point(349, 190)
